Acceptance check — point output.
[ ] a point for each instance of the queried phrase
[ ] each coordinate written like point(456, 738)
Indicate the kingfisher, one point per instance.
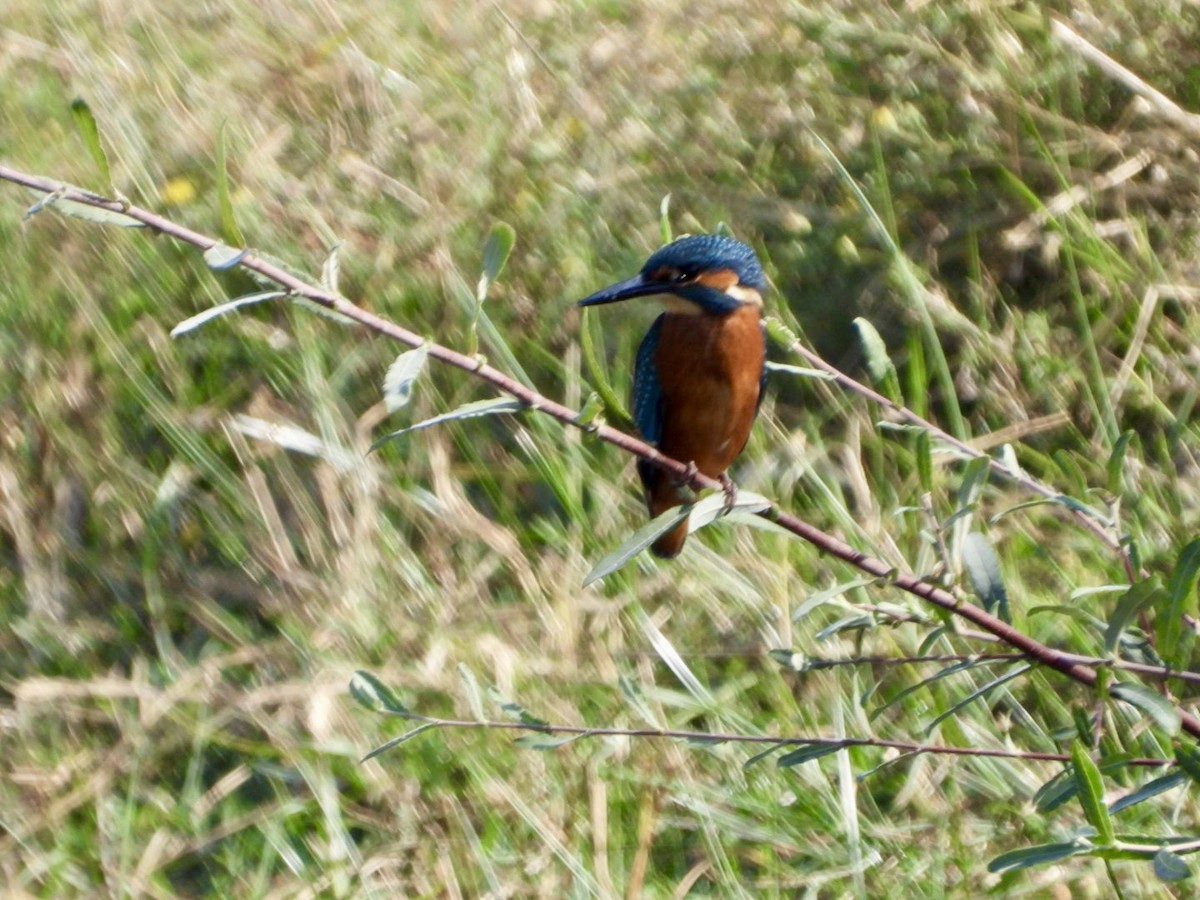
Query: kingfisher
point(699, 376)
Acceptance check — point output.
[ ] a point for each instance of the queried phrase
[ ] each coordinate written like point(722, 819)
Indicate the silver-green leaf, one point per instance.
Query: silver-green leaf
point(194, 322)
point(496, 250)
point(222, 256)
point(466, 411)
point(401, 375)
point(983, 571)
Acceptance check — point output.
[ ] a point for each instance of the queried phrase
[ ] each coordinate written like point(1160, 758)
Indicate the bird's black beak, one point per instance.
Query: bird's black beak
point(637, 286)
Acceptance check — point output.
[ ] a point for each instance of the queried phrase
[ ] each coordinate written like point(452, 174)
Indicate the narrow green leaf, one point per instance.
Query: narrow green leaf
point(712, 507)
point(229, 227)
point(1170, 867)
point(466, 411)
point(983, 571)
point(1165, 714)
point(1174, 640)
point(761, 755)
point(589, 328)
point(397, 741)
point(820, 598)
point(545, 741)
point(639, 541)
point(750, 520)
point(799, 371)
point(1055, 792)
point(1080, 593)
point(982, 691)
point(945, 672)
point(496, 250)
point(918, 377)
point(376, 696)
point(1188, 757)
point(1044, 501)
point(221, 256)
point(879, 364)
point(1091, 792)
point(1062, 787)
point(515, 711)
point(1040, 855)
point(86, 123)
point(855, 622)
point(1150, 789)
point(1071, 471)
point(401, 375)
point(1116, 462)
point(323, 311)
point(805, 754)
point(664, 219)
point(1083, 725)
point(931, 639)
point(76, 210)
point(974, 477)
point(1127, 608)
point(779, 332)
point(194, 322)
point(592, 410)
point(331, 269)
point(924, 453)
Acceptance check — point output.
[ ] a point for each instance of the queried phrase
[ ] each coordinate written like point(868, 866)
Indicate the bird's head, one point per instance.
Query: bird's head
point(704, 274)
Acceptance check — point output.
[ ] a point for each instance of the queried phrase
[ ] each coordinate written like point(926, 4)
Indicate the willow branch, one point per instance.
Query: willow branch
point(806, 663)
point(710, 737)
point(823, 541)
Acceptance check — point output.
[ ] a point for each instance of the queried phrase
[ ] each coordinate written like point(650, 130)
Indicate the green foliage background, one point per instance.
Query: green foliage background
point(184, 603)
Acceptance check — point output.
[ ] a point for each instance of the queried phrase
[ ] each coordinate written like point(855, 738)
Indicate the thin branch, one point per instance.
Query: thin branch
point(1161, 673)
point(710, 737)
point(824, 542)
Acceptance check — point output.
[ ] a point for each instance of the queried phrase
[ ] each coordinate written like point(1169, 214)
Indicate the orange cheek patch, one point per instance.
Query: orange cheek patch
point(721, 279)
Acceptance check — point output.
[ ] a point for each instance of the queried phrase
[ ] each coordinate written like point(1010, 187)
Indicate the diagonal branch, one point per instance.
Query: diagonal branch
point(1035, 650)
point(776, 742)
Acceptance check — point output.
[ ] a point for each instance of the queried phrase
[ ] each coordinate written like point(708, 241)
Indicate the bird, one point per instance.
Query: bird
point(700, 370)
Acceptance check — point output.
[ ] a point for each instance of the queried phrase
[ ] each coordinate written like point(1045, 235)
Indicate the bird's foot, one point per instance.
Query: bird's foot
point(731, 492)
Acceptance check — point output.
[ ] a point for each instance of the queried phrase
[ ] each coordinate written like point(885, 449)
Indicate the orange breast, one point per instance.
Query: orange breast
point(710, 372)
point(710, 369)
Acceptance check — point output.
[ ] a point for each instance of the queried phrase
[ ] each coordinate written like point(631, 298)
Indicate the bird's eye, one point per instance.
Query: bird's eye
point(684, 275)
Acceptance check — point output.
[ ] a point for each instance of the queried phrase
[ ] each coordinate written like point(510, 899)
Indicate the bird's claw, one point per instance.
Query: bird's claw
point(731, 491)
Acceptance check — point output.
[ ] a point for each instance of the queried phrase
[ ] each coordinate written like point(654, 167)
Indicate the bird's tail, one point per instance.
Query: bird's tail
point(662, 494)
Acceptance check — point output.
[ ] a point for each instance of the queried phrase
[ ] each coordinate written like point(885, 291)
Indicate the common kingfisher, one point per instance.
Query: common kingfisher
point(700, 373)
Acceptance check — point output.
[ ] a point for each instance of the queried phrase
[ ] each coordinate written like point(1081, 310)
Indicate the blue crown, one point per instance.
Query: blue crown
point(707, 252)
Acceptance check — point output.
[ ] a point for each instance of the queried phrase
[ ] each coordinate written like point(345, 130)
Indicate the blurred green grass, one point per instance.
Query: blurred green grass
point(185, 604)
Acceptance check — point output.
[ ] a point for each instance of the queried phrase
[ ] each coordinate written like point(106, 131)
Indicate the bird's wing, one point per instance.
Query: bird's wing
point(647, 389)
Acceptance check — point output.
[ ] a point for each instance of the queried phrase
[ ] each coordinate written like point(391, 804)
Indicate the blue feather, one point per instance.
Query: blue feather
point(647, 389)
point(698, 252)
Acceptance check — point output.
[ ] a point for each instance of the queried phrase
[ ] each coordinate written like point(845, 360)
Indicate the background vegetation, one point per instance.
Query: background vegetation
point(185, 596)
